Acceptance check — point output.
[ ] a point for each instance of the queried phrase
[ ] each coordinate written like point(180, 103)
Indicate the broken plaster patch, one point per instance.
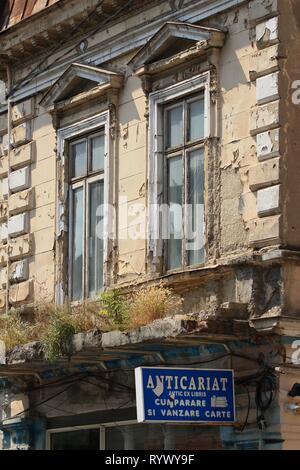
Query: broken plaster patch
point(267, 143)
point(267, 31)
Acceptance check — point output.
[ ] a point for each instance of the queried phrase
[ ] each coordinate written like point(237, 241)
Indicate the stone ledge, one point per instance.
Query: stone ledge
point(96, 342)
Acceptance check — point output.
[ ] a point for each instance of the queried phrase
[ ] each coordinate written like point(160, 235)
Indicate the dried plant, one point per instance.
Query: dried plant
point(152, 303)
point(13, 330)
point(57, 325)
point(54, 325)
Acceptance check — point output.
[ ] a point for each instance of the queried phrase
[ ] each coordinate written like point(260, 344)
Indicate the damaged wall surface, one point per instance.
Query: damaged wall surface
point(118, 75)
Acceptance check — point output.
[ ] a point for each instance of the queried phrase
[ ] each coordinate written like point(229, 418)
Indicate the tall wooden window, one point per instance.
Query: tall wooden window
point(86, 169)
point(184, 181)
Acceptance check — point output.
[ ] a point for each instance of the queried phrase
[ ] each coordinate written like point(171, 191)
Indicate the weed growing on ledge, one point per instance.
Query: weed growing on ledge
point(58, 335)
point(13, 330)
point(151, 303)
point(54, 325)
point(115, 308)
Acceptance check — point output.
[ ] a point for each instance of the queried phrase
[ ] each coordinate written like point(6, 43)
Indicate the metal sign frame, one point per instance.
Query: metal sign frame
point(141, 398)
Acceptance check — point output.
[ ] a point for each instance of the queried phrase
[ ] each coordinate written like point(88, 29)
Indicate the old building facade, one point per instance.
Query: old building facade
point(134, 106)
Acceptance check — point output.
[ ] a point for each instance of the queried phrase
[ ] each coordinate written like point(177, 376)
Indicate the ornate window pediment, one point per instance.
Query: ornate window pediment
point(175, 41)
point(79, 81)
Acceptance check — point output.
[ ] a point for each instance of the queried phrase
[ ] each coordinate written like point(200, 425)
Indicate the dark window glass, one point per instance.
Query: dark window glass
point(85, 439)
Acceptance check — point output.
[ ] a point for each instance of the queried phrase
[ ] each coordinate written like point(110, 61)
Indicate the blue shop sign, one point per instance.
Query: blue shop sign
point(184, 395)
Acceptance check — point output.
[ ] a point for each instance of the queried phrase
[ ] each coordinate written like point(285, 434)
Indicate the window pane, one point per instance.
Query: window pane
point(195, 244)
point(175, 176)
point(77, 244)
point(97, 153)
point(78, 156)
point(162, 437)
point(196, 120)
point(96, 198)
point(134, 437)
point(175, 127)
point(85, 439)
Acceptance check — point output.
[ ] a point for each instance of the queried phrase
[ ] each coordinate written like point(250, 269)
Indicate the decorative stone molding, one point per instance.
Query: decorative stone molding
point(153, 57)
point(267, 88)
point(268, 201)
point(19, 179)
point(21, 201)
point(18, 271)
point(264, 62)
point(21, 134)
point(265, 117)
point(19, 247)
point(264, 124)
point(267, 144)
point(22, 110)
point(78, 76)
point(22, 156)
point(20, 293)
point(267, 33)
point(113, 121)
point(18, 225)
point(264, 174)
point(266, 231)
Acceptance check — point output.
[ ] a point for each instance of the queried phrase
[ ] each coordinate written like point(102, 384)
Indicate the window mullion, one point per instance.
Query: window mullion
point(70, 250)
point(184, 209)
point(164, 221)
point(185, 186)
point(86, 240)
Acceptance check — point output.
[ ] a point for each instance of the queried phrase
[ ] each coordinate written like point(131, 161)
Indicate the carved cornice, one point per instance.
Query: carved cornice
point(153, 58)
point(76, 77)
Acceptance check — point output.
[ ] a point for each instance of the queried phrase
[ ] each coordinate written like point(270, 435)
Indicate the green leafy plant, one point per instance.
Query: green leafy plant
point(115, 307)
point(55, 325)
point(58, 335)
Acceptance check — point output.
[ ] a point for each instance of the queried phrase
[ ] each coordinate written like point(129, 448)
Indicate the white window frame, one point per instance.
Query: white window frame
point(102, 428)
point(64, 136)
point(157, 101)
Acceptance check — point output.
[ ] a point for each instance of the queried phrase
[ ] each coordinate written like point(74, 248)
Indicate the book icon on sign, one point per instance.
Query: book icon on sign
point(219, 402)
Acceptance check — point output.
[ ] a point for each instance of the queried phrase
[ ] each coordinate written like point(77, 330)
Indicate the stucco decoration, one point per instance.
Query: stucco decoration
point(175, 37)
point(78, 79)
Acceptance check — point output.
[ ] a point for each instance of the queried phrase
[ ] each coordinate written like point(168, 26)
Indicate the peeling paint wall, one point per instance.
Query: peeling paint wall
point(32, 205)
point(245, 182)
point(247, 204)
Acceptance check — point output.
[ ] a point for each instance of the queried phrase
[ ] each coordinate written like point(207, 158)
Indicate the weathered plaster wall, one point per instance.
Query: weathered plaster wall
point(32, 205)
point(289, 117)
point(132, 175)
point(250, 169)
point(246, 180)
